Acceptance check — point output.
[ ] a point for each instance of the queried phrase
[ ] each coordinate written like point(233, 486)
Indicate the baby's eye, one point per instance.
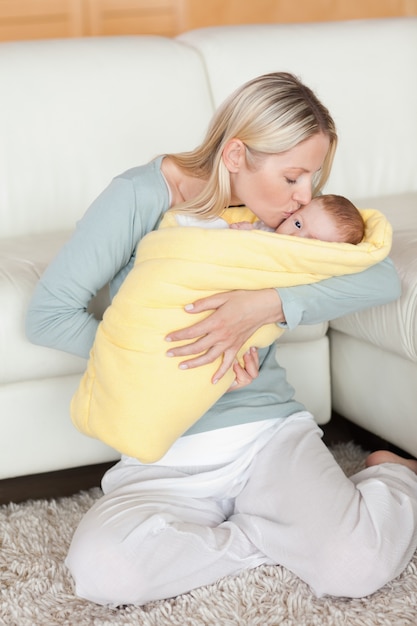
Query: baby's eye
point(297, 224)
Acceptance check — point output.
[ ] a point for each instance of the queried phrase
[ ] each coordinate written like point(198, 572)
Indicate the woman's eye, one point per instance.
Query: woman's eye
point(297, 224)
point(290, 181)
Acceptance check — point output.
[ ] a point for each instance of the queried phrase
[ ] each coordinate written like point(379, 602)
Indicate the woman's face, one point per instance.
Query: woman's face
point(279, 183)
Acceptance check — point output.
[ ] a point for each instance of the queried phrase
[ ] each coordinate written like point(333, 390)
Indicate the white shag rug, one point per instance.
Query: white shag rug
point(36, 589)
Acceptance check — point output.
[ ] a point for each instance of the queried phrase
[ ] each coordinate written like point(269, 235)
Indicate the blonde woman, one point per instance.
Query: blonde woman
point(251, 482)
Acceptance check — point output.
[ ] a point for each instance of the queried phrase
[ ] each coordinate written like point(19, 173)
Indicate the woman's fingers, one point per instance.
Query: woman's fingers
point(245, 375)
point(251, 360)
point(234, 317)
point(203, 327)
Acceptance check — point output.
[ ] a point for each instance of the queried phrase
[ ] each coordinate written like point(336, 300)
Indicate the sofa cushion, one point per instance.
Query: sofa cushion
point(77, 112)
point(347, 64)
point(392, 326)
point(22, 260)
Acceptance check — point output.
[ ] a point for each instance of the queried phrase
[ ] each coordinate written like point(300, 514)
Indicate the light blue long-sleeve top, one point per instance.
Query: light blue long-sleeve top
point(102, 250)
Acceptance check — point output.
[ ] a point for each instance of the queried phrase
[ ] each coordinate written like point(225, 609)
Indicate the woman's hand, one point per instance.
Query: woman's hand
point(248, 372)
point(236, 316)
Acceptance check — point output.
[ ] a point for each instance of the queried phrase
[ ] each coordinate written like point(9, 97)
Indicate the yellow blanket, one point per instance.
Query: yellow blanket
point(132, 396)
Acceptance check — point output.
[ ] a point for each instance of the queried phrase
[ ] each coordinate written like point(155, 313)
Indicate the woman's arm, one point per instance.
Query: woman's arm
point(237, 315)
point(340, 295)
point(99, 251)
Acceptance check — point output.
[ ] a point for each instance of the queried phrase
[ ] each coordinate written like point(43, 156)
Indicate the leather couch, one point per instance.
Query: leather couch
point(76, 112)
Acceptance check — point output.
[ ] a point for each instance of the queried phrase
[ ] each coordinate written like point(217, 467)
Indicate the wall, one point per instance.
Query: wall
point(212, 12)
point(36, 19)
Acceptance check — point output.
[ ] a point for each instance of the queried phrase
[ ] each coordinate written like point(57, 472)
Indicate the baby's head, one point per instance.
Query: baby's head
point(328, 218)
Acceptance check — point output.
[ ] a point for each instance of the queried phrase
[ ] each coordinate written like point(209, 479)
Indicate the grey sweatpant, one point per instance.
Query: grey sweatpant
point(162, 531)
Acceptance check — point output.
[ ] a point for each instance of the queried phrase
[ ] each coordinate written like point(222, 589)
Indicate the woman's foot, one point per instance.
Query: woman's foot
point(384, 456)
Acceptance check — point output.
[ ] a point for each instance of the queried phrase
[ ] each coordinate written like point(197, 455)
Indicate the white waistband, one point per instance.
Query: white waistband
point(216, 447)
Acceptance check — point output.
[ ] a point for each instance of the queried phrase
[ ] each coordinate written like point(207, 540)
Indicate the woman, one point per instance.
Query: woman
point(251, 482)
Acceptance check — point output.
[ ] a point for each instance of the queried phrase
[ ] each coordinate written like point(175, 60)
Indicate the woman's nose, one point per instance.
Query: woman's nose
point(303, 195)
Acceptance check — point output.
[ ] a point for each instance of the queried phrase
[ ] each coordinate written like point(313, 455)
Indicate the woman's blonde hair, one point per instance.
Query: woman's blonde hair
point(269, 114)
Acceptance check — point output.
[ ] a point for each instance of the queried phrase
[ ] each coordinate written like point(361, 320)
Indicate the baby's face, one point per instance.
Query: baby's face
point(311, 221)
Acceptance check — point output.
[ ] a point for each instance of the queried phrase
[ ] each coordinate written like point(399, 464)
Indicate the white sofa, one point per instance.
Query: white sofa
point(74, 113)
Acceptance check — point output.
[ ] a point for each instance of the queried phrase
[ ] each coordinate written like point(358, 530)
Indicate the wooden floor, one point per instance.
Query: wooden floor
point(67, 482)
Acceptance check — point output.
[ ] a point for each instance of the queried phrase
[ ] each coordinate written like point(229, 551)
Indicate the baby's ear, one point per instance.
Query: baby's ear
point(234, 154)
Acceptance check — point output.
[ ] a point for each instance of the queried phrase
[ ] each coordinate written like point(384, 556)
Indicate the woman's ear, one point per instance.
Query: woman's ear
point(234, 154)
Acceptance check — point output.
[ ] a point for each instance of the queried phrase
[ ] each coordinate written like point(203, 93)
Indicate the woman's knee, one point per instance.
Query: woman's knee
point(95, 567)
point(109, 568)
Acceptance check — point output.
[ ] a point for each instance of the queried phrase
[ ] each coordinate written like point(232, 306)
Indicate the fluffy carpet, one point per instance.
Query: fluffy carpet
point(37, 590)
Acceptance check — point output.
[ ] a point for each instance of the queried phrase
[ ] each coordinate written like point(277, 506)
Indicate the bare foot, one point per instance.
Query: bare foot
point(384, 456)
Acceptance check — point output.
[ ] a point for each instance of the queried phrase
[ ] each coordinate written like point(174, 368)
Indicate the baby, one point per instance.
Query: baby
point(328, 218)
